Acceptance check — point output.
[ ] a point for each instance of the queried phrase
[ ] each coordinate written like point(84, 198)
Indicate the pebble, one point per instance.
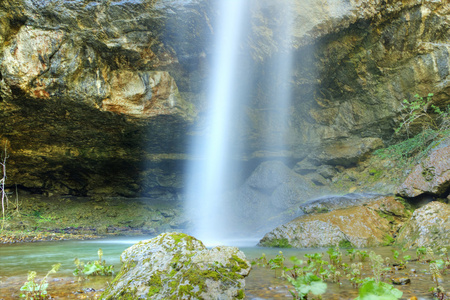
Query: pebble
point(401, 280)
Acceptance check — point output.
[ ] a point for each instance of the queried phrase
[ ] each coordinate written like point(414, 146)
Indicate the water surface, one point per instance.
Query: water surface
point(17, 259)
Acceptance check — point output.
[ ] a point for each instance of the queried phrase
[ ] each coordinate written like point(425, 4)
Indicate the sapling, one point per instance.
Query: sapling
point(2, 187)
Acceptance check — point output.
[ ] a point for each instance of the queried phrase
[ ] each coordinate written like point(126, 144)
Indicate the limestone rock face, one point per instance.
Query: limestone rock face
point(429, 226)
point(362, 226)
point(178, 266)
point(354, 63)
point(103, 96)
point(431, 175)
point(89, 100)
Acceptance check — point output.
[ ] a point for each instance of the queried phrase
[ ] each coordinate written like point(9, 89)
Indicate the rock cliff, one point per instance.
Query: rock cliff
point(102, 97)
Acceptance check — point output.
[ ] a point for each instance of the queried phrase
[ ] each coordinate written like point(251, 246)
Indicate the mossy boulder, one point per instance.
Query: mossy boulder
point(429, 226)
point(178, 266)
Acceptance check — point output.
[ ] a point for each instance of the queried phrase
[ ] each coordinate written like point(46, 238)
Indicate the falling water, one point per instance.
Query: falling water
point(278, 89)
point(210, 174)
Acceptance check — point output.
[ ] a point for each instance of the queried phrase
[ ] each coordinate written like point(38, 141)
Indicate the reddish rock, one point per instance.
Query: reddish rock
point(431, 175)
point(362, 226)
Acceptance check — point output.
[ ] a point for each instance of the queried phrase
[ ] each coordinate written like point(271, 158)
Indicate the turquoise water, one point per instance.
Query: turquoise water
point(17, 259)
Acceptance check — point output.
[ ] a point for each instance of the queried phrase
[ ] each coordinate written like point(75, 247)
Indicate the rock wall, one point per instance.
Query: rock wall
point(102, 97)
point(89, 102)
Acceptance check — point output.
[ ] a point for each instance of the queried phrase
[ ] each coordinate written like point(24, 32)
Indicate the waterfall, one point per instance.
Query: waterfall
point(209, 175)
point(217, 148)
point(278, 89)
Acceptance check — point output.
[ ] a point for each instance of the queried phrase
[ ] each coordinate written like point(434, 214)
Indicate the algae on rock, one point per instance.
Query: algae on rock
point(178, 266)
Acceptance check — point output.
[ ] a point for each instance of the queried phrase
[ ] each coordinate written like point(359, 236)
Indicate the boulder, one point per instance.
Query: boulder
point(360, 226)
point(347, 152)
point(178, 266)
point(431, 175)
point(330, 203)
point(429, 226)
point(270, 190)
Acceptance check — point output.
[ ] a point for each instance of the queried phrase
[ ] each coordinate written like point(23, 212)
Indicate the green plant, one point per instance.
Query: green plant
point(378, 290)
point(437, 290)
point(4, 196)
point(37, 291)
point(277, 263)
point(362, 255)
point(334, 255)
point(260, 261)
point(414, 110)
point(351, 253)
point(421, 253)
point(97, 267)
point(316, 265)
point(398, 262)
point(307, 284)
point(379, 267)
point(354, 274)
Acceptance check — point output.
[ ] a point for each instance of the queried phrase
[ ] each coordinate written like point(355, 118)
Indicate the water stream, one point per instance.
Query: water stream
point(17, 259)
point(218, 149)
point(211, 174)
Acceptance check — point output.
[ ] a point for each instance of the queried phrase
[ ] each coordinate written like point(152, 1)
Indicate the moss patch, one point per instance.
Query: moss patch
point(277, 243)
point(345, 244)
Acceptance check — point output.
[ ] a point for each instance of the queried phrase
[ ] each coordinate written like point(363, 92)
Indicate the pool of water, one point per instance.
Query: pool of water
point(17, 259)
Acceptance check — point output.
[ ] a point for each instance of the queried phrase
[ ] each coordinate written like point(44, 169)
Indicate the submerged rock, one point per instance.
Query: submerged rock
point(431, 175)
point(429, 226)
point(178, 266)
point(360, 226)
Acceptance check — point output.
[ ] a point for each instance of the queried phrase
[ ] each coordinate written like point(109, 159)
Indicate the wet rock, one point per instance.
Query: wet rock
point(304, 167)
point(330, 203)
point(429, 226)
point(400, 280)
point(431, 175)
point(360, 226)
point(271, 189)
point(175, 265)
point(347, 152)
point(327, 171)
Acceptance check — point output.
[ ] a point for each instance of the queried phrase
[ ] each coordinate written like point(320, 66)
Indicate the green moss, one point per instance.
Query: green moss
point(153, 291)
point(185, 289)
point(320, 210)
point(179, 237)
point(345, 244)
point(277, 243)
point(240, 263)
point(388, 240)
point(241, 294)
point(388, 217)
